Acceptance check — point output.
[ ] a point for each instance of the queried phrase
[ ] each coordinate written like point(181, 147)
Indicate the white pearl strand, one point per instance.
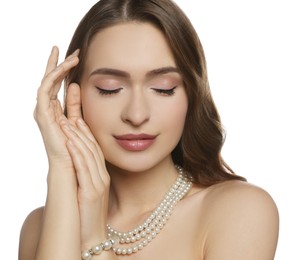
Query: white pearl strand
point(143, 234)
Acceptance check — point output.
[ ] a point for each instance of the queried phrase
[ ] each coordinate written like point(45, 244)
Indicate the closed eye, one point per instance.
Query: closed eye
point(106, 92)
point(165, 92)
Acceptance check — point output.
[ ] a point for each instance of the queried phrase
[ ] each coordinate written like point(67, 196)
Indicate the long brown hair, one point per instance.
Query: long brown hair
point(199, 149)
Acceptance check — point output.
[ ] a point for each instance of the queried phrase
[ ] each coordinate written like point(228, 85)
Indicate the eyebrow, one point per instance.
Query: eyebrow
point(124, 74)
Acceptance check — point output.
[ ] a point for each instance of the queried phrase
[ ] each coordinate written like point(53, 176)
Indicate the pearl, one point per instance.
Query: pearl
point(86, 255)
point(107, 245)
point(146, 232)
point(97, 249)
point(114, 239)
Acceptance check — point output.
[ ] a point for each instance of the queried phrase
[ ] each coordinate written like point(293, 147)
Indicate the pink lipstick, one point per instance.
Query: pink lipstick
point(135, 143)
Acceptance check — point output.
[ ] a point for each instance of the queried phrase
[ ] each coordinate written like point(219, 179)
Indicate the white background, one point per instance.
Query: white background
point(251, 49)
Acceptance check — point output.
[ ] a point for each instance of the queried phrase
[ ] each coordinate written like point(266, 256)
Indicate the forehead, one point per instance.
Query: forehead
point(129, 46)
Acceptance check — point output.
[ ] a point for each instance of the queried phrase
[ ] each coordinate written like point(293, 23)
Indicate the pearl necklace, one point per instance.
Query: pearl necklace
point(143, 234)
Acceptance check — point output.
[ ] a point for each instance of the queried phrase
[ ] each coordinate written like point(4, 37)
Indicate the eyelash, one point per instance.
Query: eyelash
point(164, 92)
point(106, 92)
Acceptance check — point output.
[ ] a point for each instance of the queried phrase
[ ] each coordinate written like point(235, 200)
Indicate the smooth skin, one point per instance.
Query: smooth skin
point(93, 181)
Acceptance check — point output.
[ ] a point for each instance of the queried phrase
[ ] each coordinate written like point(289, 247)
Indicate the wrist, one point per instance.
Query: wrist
point(61, 177)
point(60, 163)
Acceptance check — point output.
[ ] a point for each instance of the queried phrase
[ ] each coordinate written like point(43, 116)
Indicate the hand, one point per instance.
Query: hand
point(48, 111)
point(61, 220)
point(93, 178)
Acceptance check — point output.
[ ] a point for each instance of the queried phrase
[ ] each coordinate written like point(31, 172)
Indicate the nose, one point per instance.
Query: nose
point(136, 110)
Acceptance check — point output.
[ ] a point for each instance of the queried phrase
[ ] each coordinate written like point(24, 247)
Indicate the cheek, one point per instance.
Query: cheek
point(178, 120)
point(174, 115)
point(180, 113)
point(179, 108)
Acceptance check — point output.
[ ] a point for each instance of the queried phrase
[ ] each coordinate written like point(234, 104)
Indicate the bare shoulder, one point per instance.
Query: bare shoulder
point(30, 234)
point(236, 194)
point(241, 221)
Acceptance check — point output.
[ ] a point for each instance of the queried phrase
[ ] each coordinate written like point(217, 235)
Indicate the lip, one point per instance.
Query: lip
point(135, 142)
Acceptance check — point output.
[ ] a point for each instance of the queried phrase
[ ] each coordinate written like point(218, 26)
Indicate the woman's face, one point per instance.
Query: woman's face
point(133, 96)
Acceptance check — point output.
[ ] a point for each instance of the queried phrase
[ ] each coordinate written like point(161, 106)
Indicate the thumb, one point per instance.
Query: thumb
point(73, 102)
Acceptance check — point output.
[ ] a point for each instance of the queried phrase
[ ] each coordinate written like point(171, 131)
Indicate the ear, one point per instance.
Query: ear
point(73, 102)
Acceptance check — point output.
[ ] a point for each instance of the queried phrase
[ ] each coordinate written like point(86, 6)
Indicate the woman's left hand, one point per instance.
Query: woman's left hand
point(93, 178)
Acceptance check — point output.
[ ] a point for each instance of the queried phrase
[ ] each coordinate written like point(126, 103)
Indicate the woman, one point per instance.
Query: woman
point(134, 161)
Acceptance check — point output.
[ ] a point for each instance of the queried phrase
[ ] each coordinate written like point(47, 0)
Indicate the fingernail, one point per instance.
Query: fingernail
point(73, 55)
point(77, 52)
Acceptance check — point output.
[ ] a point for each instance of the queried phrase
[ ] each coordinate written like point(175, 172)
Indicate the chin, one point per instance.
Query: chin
point(135, 165)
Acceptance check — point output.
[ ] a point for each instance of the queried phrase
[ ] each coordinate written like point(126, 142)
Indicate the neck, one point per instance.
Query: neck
point(134, 195)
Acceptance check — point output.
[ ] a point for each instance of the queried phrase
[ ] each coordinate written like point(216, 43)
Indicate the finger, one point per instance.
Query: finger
point(59, 115)
point(53, 60)
point(85, 134)
point(58, 72)
point(51, 84)
point(86, 130)
point(73, 102)
point(89, 154)
point(81, 168)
